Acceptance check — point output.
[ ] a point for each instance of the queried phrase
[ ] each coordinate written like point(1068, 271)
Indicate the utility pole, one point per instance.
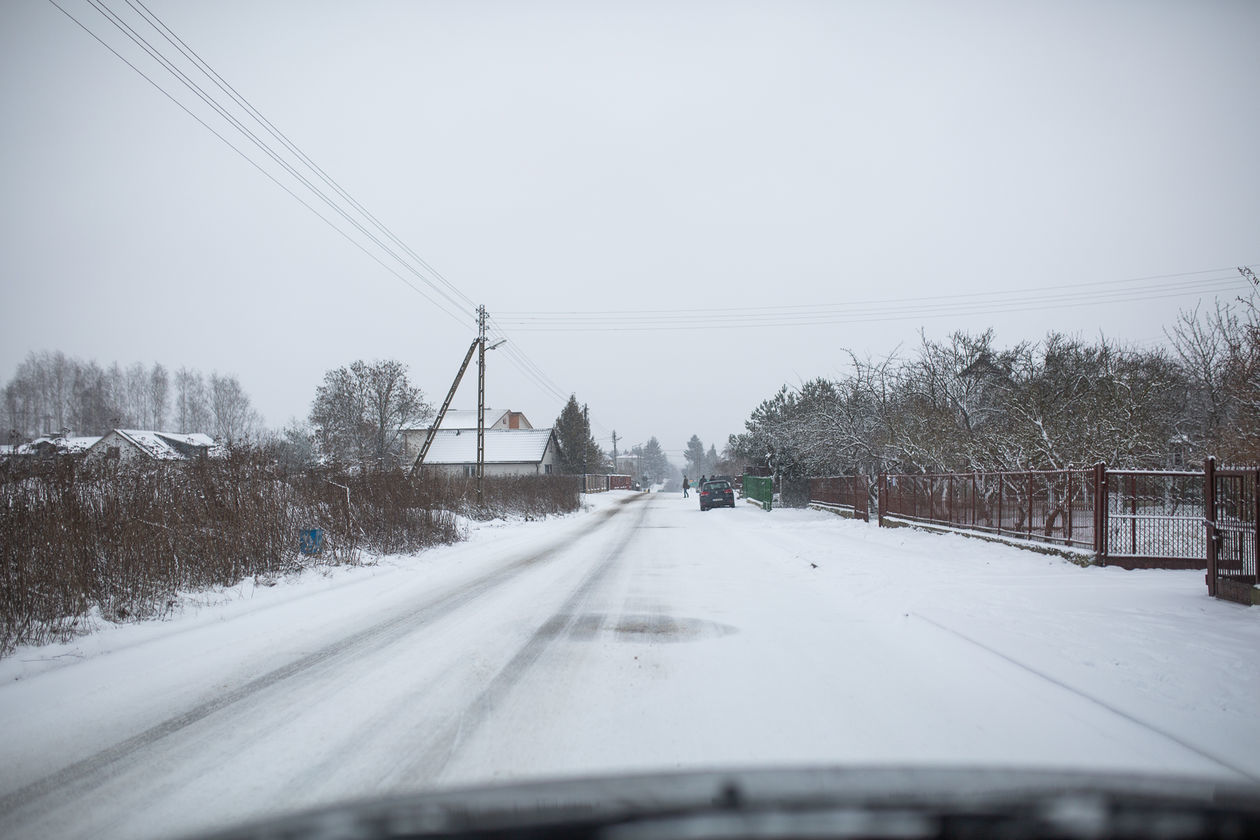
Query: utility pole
point(446, 404)
point(481, 400)
point(479, 345)
point(614, 437)
point(586, 449)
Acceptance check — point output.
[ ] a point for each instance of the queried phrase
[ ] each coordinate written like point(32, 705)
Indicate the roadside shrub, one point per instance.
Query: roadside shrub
point(125, 541)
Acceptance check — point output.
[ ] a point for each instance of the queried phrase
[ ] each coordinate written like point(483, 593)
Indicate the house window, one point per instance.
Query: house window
point(113, 453)
point(470, 471)
point(547, 469)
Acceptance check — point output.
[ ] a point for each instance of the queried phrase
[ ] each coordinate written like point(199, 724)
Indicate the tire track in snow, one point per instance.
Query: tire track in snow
point(80, 774)
point(447, 743)
point(1150, 727)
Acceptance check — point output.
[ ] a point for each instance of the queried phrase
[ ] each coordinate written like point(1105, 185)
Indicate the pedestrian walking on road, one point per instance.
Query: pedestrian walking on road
point(686, 486)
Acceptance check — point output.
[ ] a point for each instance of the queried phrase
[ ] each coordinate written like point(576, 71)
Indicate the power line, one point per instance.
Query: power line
point(533, 369)
point(856, 311)
point(966, 302)
point(454, 302)
point(154, 53)
point(1226, 270)
point(275, 132)
point(201, 93)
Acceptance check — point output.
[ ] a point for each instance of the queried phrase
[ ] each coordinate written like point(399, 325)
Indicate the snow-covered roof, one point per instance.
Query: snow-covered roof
point(466, 418)
point(76, 444)
point(503, 446)
point(166, 446)
point(73, 445)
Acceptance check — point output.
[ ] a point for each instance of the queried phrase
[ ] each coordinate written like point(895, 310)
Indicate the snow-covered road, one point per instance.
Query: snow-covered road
point(640, 635)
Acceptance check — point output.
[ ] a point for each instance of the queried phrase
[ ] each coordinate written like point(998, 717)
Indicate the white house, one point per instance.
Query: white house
point(462, 421)
point(131, 445)
point(508, 452)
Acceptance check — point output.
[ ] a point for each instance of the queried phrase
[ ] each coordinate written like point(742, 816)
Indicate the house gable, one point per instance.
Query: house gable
point(125, 445)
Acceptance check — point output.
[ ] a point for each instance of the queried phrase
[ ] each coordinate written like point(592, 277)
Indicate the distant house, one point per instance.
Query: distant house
point(629, 464)
point(51, 446)
point(462, 420)
point(127, 446)
point(1179, 449)
point(508, 452)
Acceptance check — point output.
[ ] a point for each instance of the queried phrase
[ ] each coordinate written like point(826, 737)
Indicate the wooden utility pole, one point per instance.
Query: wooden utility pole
point(437, 421)
point(586, 424)
point(481, 400)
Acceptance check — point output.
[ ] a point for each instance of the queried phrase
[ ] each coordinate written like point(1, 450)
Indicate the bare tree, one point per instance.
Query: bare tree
point(359, 411)
point(1219, 351)
point(93, 410)
point(136, 401)
point(159, 387)
point(391, 402)
point(234, 419)
point(51, 393)
point(192, 412)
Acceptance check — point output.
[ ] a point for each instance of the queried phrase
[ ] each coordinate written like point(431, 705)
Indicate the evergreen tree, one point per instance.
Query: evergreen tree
point(694, 455)
point(579, 452)
point(654, 464)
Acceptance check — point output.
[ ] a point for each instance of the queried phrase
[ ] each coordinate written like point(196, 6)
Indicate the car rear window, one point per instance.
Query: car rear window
point(717, 485)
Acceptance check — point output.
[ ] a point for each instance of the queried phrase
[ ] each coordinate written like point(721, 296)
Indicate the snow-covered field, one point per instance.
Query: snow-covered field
point(641, 634)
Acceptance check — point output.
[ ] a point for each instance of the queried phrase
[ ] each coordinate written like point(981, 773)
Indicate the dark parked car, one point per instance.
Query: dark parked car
point(716, 494)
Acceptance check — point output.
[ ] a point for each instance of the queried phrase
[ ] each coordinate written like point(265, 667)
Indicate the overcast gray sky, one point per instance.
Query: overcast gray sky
point(618, 157)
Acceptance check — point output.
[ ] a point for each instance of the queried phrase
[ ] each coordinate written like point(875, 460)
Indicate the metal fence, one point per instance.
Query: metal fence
point(1232, 535)
point(1129, 518)
point(1154, 519)
point(598, 483)
point(1135, 519)
point(1051, 506)
point(846, 493)
point(759, 489)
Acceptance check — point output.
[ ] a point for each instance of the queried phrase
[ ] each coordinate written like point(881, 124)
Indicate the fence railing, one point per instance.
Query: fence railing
point(1154, 519)
point(847, 493)
point(600, 483)
point(1051, 506)
point(759, 489)
point(1129, 518)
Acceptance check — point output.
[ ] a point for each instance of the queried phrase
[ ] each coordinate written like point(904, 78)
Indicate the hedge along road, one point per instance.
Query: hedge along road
point(642, 635)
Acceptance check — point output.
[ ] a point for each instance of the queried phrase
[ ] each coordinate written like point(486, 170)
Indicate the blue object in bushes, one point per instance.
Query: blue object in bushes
point(310, 540)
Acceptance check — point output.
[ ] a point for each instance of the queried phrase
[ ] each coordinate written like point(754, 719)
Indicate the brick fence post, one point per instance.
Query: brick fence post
point(882, 500)
point(1100, 511)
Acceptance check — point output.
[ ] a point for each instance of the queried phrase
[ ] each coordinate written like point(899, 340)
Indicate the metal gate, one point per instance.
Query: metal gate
point(1233, 531)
